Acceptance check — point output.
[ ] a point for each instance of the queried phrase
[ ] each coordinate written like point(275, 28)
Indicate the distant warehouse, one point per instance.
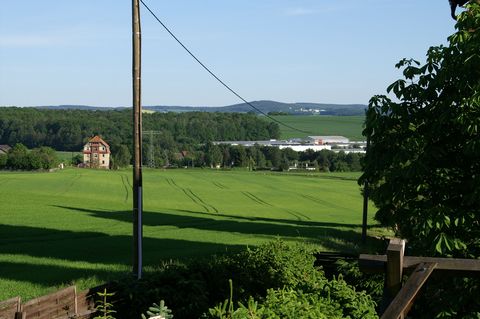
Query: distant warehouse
point(315, 143)
point(322, 140)
point(281, 144)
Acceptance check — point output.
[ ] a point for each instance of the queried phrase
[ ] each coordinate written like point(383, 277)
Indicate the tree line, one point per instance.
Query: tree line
point(257, 158)
point(69, 130)
point(20, 157)
point(178, 139)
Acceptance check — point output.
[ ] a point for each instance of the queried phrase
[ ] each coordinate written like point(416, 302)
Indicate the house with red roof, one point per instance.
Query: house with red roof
point(96, 153)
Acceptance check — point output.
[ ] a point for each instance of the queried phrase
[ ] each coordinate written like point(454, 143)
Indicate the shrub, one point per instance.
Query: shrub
point(272, 274)
point(3, 160)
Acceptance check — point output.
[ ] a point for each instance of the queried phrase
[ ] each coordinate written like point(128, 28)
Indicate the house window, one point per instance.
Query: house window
point(95, 155)
point(103, 155)
point(103, 162)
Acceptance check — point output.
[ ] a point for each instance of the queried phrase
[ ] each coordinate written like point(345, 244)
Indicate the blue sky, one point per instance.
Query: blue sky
point(336, 51)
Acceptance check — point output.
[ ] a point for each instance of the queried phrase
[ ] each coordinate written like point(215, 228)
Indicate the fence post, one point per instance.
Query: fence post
point(393, 280)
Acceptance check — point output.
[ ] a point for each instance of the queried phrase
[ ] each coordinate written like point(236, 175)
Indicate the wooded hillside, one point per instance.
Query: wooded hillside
point(67, 130)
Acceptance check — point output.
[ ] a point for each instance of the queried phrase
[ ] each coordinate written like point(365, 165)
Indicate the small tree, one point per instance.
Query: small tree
point(18, 157)
point(45, 157)
point(122, 156)
point(423, 164)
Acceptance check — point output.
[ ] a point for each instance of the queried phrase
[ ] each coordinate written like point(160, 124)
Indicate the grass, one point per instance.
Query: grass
point(66, 157)
point(75, 225)
point(348, 126)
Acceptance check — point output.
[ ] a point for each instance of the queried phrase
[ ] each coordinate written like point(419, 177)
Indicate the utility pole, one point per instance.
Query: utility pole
point(152, 152)
point(151, 160)
point(365, 203)
point(137, 141)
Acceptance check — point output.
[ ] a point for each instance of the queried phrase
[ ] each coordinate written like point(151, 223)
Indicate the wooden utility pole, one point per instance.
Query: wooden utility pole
point(137, 141)
point(365, 203)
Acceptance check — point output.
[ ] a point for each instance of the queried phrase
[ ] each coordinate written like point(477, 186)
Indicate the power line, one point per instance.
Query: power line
point(217, 78)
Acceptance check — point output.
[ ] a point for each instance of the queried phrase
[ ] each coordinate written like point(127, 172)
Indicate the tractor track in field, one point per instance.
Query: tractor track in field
point(297, 214)
point(220, 185)
point(320, 201)
point(256, 199)
point(67, 188)
point(192, 196)
point(201, 200)
point(125, 182)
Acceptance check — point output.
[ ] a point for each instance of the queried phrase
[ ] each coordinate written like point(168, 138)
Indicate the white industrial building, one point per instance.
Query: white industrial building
point(281, 144)
point(321, 140)
point(315, 143)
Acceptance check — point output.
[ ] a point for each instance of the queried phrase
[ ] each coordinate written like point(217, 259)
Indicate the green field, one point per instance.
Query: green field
point(66, 157)
point(348, 126)
point(75, 225)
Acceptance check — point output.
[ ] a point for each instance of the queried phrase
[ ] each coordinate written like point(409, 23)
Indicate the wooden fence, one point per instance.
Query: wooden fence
point(63, 304)
point(394, 264)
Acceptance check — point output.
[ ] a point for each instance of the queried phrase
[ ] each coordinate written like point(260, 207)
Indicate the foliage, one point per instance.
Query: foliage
point(279, 303)
point(46, 157)
point(268, 157)
point(122, 156)
point(314, 297)
point(104, 308)
point(450, 297)
point(3, 160)
point(68, 130)
point(77, 159)
point(20, 158)
point(158, 310)
point(277, 274)
point(423, 162)
point(372, 284)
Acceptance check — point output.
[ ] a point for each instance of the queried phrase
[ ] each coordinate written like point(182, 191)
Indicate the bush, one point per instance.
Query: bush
point(273, 273)
point(3, 160)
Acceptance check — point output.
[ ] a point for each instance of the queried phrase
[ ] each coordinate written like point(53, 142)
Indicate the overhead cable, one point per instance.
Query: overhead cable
point(217, 78)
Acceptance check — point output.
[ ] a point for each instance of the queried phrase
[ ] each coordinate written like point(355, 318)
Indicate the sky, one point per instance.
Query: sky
point(319, 51)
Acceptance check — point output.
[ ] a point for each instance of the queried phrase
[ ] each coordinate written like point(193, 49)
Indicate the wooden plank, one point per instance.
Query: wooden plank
point(60, 304)
point(405, 297)
point(464, 267)
point(9, 307)
point(395, 252)
point(85, 303)
point(86, 300)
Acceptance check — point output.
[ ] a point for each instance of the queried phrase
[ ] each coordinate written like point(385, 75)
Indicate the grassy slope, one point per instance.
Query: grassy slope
point(75, 225)
point(348, 126)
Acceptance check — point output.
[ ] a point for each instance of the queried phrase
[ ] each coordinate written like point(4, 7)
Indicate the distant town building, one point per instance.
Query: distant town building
point(314, 143)
point(4, 149)
point(294, 145)
point(96, 153)
point(322, 140)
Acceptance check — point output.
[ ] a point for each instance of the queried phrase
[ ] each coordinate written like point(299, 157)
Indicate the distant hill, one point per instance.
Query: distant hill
point(273, 106)
point(77, 107)
point(264, 106)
